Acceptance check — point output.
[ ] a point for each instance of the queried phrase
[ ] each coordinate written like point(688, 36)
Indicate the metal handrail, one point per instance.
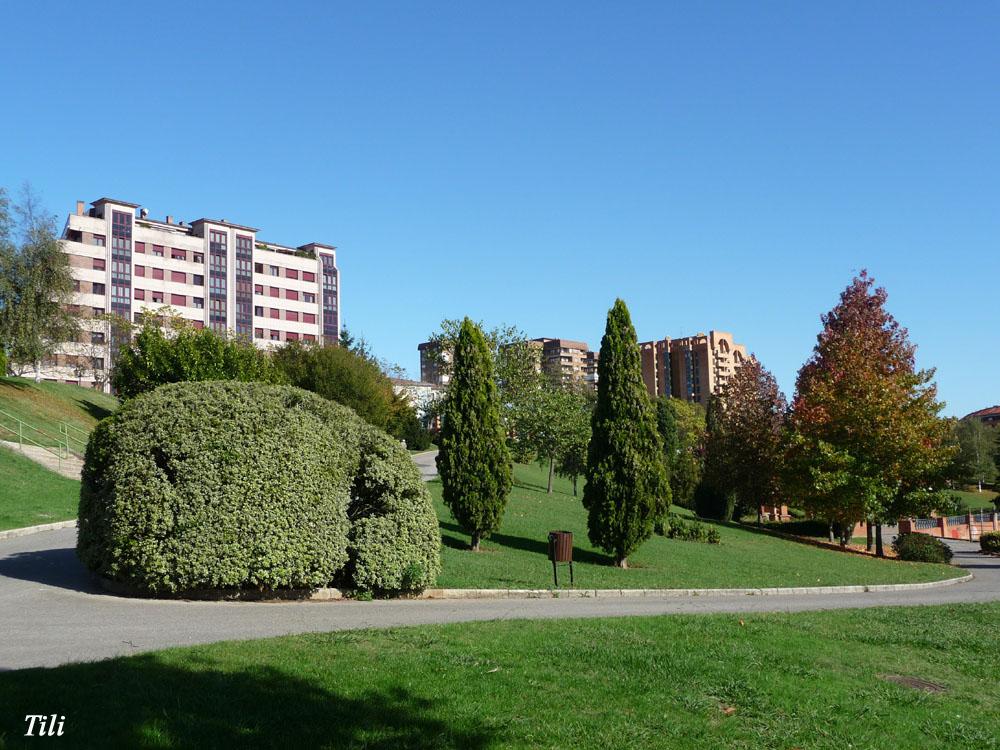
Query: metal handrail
point(22, 438)
point(65, 428)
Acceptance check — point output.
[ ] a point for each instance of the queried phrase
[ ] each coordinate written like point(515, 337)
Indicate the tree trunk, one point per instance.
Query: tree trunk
point(831, 531)
point(868, 532)
point(843, 534)
point(38, 371)
point(574, 485)
point(552, 471)
point(621, 562)
point(879, 551)
point(476, 538)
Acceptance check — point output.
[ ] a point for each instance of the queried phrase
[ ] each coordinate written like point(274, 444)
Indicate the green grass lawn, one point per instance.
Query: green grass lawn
point(516, 556)
point(976, 500)
point(31, 494)
point(808, 680)
point(45, 405)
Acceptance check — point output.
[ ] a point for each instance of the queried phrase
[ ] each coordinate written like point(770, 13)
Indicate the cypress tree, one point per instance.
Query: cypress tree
point(473, 461)
point(627, 490)
point(714, 497)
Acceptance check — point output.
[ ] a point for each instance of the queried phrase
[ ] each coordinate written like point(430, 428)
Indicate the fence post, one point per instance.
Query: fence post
point(943, 525)
point(969, 521)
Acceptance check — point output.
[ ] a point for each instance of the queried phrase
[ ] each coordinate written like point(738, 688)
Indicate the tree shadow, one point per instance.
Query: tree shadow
point(97, 411)
point(142, 701)
point(52, 567)
point(525, 544)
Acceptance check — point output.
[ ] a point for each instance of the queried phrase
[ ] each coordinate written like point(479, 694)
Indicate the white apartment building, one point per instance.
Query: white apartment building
point(211, 272)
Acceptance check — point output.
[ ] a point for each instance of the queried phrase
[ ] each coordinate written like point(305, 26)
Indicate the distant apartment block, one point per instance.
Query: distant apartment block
point(211, 272)
point(433, 363)
point(690, 368)
point(567, 360)
point(421, 396)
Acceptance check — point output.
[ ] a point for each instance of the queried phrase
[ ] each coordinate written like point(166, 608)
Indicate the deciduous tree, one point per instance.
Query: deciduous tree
point(36, 285)
point(627, 489)
point(682, 426)
point(865, 436)
point(473, 459)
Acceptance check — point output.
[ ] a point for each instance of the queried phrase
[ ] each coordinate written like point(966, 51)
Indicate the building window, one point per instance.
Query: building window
point(157, 273)
point(331, 323)
point(275, 313)
point(199, 324)
point(99, 264)
point(275, 335)
point(158, 250)
point(258, 311)
point(97, 337)
point(179, 277)
point(140, 247)
point(258, 268)
point(98, 288)
point(178, 254)
point(76, 285)
point(139, 293)
point(244, 284)
point(97, 363)
point(218, 254)
point(198, 302)
point(258, 288)
point(291, 273)
point(273, 291)
point(157, 297)
point(258, 333)
point(307, 297)
point(291, 294)
point(140, 270)
point(308, 318)
point(100, 240)
point(273, 270)
point(178, 299)
point(308, 337)
point(290, 336)
point(308, 276)
point(198, 279)
point(291, 315)
point(198, 258)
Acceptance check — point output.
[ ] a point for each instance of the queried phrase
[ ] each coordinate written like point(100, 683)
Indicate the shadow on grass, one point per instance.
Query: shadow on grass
point(143, 702)
point(535, 546)
point(95, 410)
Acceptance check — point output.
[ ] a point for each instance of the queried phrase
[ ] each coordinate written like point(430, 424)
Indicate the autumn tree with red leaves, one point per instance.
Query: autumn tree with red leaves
point(865, 439)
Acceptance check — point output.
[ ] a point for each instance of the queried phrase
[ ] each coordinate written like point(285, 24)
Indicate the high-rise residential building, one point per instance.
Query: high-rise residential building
point(433, 363)
point(691, 368)
point(989, 416)
point(211, 272)
point(570, 361)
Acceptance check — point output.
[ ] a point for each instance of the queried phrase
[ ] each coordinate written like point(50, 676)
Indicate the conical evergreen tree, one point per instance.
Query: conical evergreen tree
point(473, 461)
point(627, 490)
point(714, 496)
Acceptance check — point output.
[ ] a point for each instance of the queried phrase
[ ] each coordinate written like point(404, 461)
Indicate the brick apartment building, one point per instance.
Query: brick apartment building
point(570, 361)
point(989, 416)
point(690, 368)
point(210, 272)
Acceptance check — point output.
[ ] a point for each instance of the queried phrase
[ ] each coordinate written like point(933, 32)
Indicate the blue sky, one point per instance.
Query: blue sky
point(717, 165)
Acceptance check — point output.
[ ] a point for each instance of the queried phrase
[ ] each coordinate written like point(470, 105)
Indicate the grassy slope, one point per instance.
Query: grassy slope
point(977, 500)
point(31, 494)
point(45, 405)
point(808, 680)
point(516, 556)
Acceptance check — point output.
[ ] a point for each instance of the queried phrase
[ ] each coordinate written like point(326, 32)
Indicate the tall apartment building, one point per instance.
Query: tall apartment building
point(570, 361)
point(210, 272)
point(431, 361)
point(691, 368)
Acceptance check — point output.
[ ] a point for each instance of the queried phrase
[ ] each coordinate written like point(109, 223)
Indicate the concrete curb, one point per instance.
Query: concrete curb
point(333, 594)
point(27, 530)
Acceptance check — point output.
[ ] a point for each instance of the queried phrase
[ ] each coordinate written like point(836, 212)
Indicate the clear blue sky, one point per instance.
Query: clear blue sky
point(716, 165)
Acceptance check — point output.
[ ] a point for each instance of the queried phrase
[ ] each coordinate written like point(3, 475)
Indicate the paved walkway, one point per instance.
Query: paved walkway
point(51, 612)
point(427, 463)
point(69, 467)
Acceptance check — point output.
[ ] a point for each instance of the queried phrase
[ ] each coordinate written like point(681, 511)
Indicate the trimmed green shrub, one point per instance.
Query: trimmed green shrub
point(711, 502)
point(674, 527)
point(394, 539)
point(228, 485)
point(915, 547)
point(990, 542)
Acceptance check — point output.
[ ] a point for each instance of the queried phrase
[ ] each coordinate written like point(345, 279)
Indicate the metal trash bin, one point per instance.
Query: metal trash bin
point(561, 551)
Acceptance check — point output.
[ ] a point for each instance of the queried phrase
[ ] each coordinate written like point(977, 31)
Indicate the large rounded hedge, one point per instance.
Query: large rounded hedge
point(226, 485)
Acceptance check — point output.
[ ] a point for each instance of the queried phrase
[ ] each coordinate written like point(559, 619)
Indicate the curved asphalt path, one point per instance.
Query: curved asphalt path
point(52, 612)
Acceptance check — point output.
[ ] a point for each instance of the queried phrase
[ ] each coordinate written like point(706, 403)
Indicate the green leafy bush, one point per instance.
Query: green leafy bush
point(915, 547)
point(674, 527)
point(711, 502)
point(990, 542)
point(228, 485)
point(804, 527)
